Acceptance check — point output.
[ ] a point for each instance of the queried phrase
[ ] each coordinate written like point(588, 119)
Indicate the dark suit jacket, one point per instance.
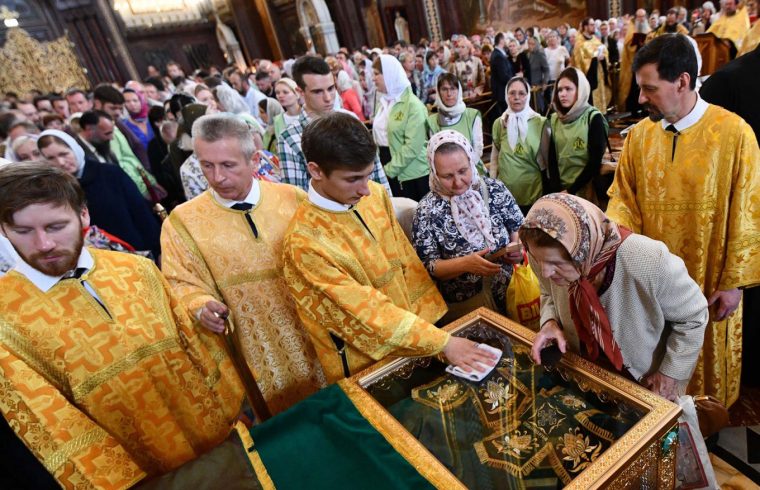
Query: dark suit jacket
point(501, 72)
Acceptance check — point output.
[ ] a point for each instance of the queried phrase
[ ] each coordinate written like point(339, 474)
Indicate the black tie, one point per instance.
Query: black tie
point(675, 132)
point(244, 206)
point(75, 273)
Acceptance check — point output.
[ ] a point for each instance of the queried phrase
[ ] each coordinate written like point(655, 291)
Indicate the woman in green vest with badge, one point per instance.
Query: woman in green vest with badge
point(453, 114)
point(399, 130)
point(578, 137)
point(516, 159)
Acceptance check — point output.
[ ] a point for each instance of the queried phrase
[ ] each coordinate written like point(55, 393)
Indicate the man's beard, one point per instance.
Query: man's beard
point(102, 147)
point(642, 27)
point(69, 259)
point(654, 114)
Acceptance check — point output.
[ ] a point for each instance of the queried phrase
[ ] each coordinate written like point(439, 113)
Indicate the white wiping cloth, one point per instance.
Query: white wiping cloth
point(476, 375)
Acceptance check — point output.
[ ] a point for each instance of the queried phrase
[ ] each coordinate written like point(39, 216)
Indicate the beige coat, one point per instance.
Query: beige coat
point(657, 312)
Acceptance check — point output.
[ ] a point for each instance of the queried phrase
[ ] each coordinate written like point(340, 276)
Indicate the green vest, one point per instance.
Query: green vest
point(463, 126)
point(518, 168)
point(571, 145)
point(407, 139)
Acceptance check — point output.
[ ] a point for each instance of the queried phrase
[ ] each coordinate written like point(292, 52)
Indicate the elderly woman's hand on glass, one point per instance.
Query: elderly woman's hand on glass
point(550, 333)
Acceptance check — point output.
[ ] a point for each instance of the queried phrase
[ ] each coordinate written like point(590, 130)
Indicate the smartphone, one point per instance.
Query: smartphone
point(498, 254)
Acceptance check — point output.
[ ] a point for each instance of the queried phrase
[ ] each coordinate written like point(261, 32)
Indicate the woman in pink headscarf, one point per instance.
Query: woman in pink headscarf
point(137, 122)
point(618, 298)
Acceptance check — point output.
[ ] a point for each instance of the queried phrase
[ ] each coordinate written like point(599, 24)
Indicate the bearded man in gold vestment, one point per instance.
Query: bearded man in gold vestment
point(103, 376)
point(223, 257)
point(590, 57)
point(689, 176)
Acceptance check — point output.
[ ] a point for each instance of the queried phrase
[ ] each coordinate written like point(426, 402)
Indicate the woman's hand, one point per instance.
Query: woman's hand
point(515, 257)
point(466, 354)
point(476, 264)
point(548, 334)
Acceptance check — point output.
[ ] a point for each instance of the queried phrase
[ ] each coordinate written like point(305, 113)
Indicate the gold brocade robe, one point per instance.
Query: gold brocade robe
point(751, 40)
point(704, 206)
point(733, 28)
point(210, 253)
point(584, 53)
point(680, 29)
point(366, 285)
point(104, 400)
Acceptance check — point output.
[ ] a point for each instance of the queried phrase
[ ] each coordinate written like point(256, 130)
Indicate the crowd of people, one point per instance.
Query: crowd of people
point(329, 211)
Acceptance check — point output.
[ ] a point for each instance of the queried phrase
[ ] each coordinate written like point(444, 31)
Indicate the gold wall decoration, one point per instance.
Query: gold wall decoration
point(29, 64)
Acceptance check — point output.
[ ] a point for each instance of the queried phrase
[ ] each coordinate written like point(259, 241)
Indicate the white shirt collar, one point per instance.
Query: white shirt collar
point(691, 118)
point(45, 282)
point(253, 197)
point(319, 200)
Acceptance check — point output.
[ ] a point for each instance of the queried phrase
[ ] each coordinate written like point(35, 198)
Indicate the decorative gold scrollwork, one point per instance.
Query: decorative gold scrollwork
point(28, 64)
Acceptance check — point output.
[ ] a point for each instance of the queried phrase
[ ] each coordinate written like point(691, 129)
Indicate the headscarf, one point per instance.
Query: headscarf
point(591, 239)
point(289, 82)
point(274, 109)
point(469, 210)
point(450, 115)
point(581, 103)
point(70, 142)
point(517, 122)
point(142, 115)
point(230, 100)
point(394, 76)
point(344, 81)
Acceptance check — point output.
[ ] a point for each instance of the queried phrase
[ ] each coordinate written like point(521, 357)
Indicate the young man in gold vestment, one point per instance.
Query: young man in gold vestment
point(102, 374)
point(359, 287)
point(689, 176)
point(223, 256)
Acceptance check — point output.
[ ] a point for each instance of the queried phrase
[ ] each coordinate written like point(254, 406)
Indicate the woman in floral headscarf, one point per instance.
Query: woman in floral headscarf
point(463, 220)
point(621, 299)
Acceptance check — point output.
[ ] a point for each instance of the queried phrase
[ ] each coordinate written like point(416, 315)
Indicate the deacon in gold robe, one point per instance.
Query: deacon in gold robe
point(690, 180)
point(223, 256)
point(670, 26)
point(102, 374)
point(590, 56)
point(360, 289)
point(635, 37)
point(733, 24)
point(752, 40)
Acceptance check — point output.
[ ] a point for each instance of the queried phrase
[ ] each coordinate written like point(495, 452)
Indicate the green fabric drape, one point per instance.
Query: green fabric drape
point(325, 443)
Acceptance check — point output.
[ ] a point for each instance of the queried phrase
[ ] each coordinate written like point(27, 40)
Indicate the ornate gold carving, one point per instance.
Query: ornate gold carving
point(29, 64)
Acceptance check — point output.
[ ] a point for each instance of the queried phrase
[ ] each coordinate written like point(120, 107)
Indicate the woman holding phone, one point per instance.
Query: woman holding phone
point(464, 221)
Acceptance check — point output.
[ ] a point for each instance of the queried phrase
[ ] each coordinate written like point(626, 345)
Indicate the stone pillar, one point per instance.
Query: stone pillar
point(326, 38)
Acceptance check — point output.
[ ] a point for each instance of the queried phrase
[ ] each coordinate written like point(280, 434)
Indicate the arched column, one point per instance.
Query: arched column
point(317, 26)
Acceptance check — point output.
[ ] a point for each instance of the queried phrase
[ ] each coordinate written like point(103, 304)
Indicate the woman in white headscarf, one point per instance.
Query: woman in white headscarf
point(114, 202)
point(462, 222)
point(578, 139)
point(269, 109)
point(399, 130)
point(515, 157)
point(453, 114)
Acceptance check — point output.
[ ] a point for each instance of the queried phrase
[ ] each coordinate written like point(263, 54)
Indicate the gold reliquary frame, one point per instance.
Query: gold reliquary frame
point(635, 447)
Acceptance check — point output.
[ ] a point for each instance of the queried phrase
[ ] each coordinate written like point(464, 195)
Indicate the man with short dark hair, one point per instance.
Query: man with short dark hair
point(126, 145)
point(316, 84)
point(30, 112)
point(105, 378)
point(78, 101)
point(501, 72)
point(250, 93)
point(360, 289)
point(60, 106)
point(182, 84)
point(590, 57)
point(264, 83)
point(670, 26)
point(688, 176)
point(42, 103)
point(203, 242)
point(99, 139)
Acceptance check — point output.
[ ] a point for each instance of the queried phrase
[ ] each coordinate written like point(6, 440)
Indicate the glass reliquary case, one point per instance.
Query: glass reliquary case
point(576, 426)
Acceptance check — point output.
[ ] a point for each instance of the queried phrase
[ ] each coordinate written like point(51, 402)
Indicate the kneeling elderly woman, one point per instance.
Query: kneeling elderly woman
point(463, 219)
point(621, 299)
